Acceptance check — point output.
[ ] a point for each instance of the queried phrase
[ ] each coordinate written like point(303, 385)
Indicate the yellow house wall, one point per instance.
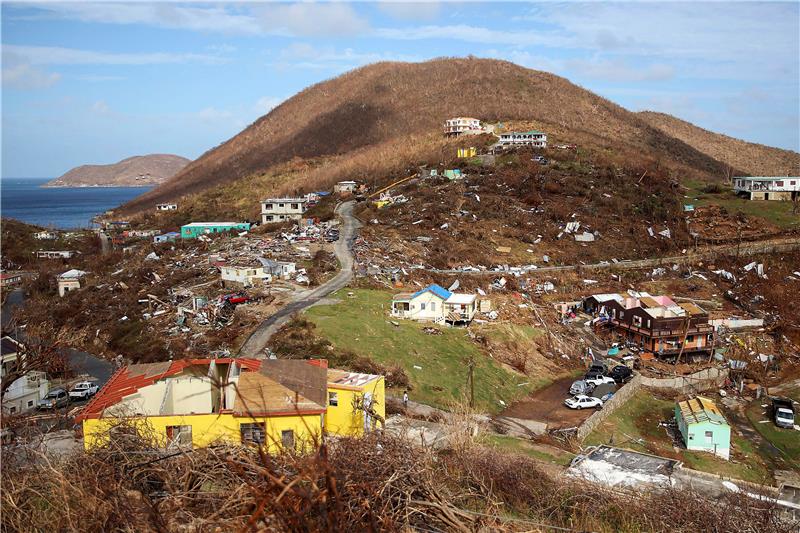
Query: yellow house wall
point(210, 428)
point(341, 420)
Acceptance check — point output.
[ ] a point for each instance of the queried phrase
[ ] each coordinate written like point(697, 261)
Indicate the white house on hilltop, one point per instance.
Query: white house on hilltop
point(533, 138)
point(462, 126)
point(767, 188)
point(435, 304)
point(280, 209)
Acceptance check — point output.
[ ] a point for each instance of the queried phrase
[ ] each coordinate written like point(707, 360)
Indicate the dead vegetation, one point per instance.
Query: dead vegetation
point(377, 483)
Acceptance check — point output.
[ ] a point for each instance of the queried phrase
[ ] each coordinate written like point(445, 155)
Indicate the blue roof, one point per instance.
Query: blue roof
point(441, 292)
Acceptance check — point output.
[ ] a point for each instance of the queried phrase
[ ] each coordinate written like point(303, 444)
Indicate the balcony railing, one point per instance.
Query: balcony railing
point(693, 330)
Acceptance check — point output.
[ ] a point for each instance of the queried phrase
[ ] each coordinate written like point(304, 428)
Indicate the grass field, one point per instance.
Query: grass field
point(787, 440)
point(636, 426)
point(779, 213)
point(548, 454)
point(437, 365)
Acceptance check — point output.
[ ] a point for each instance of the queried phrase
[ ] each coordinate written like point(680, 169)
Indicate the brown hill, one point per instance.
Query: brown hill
point(754, 159)
point(137, 171)
point(365, 117)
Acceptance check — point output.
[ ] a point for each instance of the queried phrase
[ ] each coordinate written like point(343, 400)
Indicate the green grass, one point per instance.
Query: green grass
point(787, 440)
point(504, 443)
point(362, 324)
point(635, 426)
point(779, 213)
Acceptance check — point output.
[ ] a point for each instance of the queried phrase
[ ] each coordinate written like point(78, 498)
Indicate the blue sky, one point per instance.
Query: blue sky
point(98, 82)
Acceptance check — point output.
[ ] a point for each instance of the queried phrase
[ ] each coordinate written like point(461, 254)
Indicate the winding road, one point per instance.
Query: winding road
point(343, 249)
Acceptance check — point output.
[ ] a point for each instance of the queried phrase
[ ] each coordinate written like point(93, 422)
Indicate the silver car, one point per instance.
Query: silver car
point(581, 387)
point(55, 398)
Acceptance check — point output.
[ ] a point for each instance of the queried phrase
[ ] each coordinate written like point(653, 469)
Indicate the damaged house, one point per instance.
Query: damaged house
point(703, 427)
point(70, 281)
point(767, 188)
point(276, 403)
point(656, 323)
point(435, 304)
point(280, 209)
point(246, 274)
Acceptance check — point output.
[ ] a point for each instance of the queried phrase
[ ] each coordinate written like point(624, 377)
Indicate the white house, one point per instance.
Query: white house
point(45, 236)
point(435, 304)
point(462, 125)
point(166, 207)
point(70, 281)
point(534, 138)
point(345, 186)
point(24, 393)
point(54, 254)
point(10, 278)
point(278, 269)
point(767, 188)
point(247, 275)
point(280, 209)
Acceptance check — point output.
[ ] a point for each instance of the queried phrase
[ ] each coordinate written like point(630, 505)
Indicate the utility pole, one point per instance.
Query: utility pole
point(471, 379)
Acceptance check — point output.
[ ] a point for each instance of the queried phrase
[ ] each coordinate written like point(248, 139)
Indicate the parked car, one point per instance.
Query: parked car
point(580, 387)
point(621, 374)
point(783, 412)
point(55, 398)
point(83, 390)
point(583, 402)
point(598, 367)
point(599, 380)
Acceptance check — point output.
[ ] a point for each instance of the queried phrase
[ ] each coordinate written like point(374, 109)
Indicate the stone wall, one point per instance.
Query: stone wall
point(618, 400)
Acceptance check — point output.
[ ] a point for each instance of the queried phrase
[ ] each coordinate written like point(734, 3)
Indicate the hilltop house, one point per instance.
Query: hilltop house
point(45, 236)
point(166, 207)
point(10, 278)
point(70, 281)
point(246, 274)
point(656, 323)
point(533, 138)
point(703, 427)
point(462, 126)
point(23, 393)
point(279, 269)
point(435, 304)
point(195, 229)
point(767, 188)
point(276, 403)
point(280, 209)
point(54, 254)
point(166, 237)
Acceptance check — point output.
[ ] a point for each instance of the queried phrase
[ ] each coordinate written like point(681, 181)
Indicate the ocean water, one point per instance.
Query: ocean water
point(63, 208)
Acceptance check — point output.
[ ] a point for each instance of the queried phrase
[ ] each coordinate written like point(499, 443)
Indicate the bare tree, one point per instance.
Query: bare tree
point(39, 351)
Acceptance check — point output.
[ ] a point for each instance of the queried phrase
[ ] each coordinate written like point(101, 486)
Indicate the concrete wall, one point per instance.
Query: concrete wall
point(699, 381)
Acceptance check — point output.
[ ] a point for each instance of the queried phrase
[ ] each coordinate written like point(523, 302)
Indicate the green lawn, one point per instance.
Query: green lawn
point(548, 454)
point(779, 213)
point(437, 365)
point(636, 426)
point(787, 440)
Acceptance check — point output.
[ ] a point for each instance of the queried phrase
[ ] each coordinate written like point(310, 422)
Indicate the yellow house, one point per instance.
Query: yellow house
point(356, 403)
point(467, 152)
point(276, 403)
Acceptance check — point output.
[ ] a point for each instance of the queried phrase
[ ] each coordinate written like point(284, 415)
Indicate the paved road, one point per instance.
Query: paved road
point(344, 254)
point(745, 248)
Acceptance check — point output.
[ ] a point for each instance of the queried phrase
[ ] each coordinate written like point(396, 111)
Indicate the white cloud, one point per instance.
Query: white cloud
point(307, 56)
point(54, 55)
point(265, 104)
point(620, 71)
point(25, 77)
point(402, 10)
point(473, 34)
point(100, 107)
point(311, 19)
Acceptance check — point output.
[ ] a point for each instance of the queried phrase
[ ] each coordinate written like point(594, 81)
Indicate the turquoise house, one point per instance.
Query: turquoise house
point(703, 427)
point(195, 229)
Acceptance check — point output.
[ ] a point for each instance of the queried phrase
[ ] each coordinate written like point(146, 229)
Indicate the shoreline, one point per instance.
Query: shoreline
point(100, 186)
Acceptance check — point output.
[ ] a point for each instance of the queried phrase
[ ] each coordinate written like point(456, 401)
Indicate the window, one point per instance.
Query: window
point(253, 432)
point(779, 183)
point(12, 410)
point(421, 307)
point(709, 437)
point(269, 218)
point(691, 436)
point(280, 205)
point(267, 207)
point(287, 439)
point(333, 399)
point(179, 435)
point(295, 206)
point(637, 321)
point(433, 306)
point(30, 403)
point(690, 338)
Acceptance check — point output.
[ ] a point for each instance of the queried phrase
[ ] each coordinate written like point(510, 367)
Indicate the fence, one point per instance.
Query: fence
point(693, 383)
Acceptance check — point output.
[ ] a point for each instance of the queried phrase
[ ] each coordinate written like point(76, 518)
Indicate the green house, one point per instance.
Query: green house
point(193, 230)
point(703, 427)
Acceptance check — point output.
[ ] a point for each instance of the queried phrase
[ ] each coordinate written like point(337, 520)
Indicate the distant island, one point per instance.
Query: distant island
point(137, 171)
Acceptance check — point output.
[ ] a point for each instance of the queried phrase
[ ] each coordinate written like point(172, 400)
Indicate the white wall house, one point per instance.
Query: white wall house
point(24, 393)
point(345, 186)
point(45, 236)
point(435, 304)
point(70, 281)
point(280, 209)
point(54, 254)
point(767, 188)
point(166, 207)
point(535, 138)
point(462, 125)
point(279, 269)
point(246, 275)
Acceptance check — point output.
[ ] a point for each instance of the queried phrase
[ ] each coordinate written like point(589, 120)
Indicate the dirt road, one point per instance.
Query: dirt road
point(547, 405)
point(343, 249)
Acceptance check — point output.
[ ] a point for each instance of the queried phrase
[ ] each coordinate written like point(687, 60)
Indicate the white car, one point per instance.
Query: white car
point(83, 390)
point(583, 402)
point(599, 380)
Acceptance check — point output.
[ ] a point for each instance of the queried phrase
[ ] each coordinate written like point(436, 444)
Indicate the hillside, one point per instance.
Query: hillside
point(385, 108)
point(136, 171)
point(754, 159)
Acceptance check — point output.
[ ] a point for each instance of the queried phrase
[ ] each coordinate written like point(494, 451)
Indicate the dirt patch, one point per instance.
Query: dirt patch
point(547, 405)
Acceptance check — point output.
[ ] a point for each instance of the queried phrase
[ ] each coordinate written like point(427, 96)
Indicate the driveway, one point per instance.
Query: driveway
point(343, 249)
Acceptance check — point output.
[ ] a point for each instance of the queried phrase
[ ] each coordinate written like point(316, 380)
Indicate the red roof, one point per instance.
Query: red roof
point(128, 380)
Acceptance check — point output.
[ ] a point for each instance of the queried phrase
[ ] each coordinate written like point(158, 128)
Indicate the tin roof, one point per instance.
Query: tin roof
point(349, 379)
point(441, 292)
point(700, 409)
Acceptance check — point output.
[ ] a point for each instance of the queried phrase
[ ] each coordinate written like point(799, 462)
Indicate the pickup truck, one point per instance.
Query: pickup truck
point(783, 412)
point(83, 390)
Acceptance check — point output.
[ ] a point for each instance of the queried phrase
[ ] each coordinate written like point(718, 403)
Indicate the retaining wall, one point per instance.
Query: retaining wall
point(618, 400)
